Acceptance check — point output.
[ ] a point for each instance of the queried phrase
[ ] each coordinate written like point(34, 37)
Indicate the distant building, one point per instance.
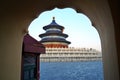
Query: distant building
point(70, 54)
point(57, 46)
point(54, 36)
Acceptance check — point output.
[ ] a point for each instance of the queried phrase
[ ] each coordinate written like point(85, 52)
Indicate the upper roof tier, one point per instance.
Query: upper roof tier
point(53, 24)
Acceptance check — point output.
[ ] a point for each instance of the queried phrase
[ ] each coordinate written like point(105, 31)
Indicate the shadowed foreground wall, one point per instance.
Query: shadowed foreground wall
point(16, 16)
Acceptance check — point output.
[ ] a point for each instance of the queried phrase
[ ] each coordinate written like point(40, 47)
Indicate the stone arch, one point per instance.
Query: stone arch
point(18, 15)
point(98, 22)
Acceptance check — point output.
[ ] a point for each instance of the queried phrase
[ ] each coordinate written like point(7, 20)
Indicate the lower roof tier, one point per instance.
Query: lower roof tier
point(54, 40)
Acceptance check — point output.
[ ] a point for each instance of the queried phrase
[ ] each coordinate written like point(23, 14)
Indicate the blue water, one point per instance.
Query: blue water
point(71, 70)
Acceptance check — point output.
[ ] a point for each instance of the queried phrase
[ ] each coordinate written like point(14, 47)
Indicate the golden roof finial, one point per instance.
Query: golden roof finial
point(53, 18)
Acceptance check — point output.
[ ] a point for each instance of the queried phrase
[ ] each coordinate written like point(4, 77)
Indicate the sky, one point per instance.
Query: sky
point(77, 25)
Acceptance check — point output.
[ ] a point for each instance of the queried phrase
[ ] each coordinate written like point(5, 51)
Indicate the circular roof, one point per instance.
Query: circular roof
point(55, 40)
point(53, 24)
point(58, 34)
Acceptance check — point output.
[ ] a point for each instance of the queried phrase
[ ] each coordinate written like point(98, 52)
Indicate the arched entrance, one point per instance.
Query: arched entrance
point(16, 16)
point(97, 16)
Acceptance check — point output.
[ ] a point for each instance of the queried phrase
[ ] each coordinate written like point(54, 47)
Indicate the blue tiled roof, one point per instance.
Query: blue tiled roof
point(53, 23)
point(53, 31)
point(55, 40)
point(50, 30)
point(58, 34)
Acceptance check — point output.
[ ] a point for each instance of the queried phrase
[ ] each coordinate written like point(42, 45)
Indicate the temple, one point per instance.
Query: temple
point(54, 36)
point(57, 49)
